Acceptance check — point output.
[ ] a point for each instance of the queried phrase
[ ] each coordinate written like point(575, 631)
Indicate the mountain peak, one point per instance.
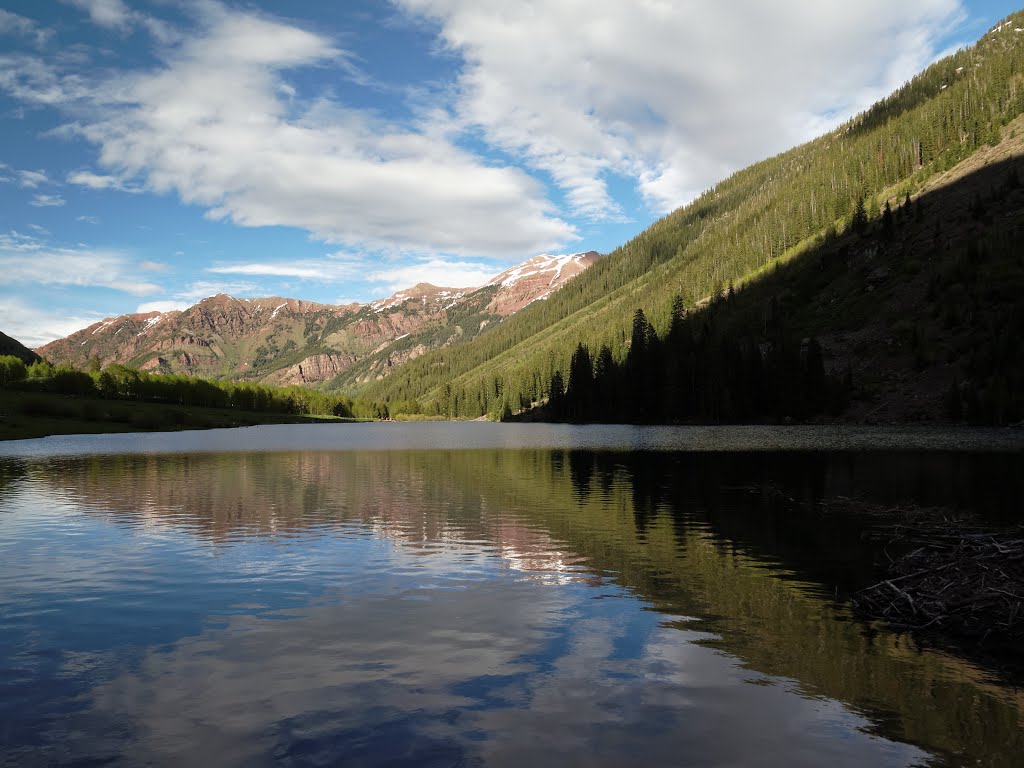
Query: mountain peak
point(537, 278)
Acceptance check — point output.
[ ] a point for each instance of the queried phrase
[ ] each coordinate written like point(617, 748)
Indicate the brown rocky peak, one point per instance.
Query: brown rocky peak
point(426, 288)
point(421, 293)
point(536, 279)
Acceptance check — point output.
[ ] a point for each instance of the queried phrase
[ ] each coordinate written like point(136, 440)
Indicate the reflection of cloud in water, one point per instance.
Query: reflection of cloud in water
point(502, 671)
point(231, 696)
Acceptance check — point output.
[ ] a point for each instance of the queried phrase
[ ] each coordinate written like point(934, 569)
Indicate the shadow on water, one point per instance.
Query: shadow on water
point(729, 551)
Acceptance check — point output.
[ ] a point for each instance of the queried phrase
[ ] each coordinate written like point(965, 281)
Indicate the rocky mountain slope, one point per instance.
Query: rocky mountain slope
point(288, 341)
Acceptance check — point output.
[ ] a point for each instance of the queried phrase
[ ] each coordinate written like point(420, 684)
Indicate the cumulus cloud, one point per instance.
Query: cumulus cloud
point(194, 125)
point(674, 96)
point(30, 261)
point(666, 96)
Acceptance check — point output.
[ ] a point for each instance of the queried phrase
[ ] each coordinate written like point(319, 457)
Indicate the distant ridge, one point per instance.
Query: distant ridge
point(290, 341)
point(9, 346)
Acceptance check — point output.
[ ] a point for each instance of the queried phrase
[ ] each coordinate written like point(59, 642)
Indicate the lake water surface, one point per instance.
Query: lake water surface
point(480, 594)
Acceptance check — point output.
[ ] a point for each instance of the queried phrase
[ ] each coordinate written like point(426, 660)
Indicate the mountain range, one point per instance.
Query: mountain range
point(289, 341)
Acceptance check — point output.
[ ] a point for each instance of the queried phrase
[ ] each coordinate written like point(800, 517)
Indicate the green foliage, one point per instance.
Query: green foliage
point(12, 369)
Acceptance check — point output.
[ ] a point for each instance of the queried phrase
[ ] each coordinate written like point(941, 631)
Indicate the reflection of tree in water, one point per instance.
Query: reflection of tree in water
point(735, 514)
point(581, 470)
point(11, 470)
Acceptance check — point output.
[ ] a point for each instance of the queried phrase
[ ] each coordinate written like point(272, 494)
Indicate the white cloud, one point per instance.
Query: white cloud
point(194, 126)
point(343, 268)
point(105, 13)
point(671, 97)
point(38, 81)
point(674, 96)
point(162, 306)
point(30, 261)
point(31, 179)
point(47, 201)
point(33, 326)
point(13, 24)
point(202, 289)
point(99, 181)
point(437, 271)
point(87, 219)
point(306, 270)
point(114, 14)
point(333, 268)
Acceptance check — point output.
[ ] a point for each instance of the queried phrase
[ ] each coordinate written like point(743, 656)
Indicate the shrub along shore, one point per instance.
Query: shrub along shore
point(42, 399)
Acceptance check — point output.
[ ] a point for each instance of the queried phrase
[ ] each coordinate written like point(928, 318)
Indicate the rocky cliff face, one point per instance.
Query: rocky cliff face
point(288, 341)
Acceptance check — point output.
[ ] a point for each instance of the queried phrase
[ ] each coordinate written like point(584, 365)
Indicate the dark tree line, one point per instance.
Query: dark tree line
point(700, 371)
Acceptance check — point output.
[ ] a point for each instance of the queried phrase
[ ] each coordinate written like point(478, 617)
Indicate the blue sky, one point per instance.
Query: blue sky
point(154, 153)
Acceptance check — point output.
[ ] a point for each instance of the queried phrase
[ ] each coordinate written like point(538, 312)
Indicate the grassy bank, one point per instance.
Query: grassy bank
point(35, 414)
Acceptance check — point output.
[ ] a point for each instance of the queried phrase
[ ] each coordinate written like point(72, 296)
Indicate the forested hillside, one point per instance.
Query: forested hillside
point(826, 197)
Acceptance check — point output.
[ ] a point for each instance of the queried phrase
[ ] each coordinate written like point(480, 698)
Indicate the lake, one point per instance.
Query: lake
point(481, 594)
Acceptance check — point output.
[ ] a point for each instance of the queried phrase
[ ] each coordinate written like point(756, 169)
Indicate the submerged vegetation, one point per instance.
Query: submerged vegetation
point(961, 581)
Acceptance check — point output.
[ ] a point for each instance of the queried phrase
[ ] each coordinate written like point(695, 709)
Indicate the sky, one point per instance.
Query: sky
point(153, 153)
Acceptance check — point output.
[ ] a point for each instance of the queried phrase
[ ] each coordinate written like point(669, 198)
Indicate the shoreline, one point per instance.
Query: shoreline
point(27, 416)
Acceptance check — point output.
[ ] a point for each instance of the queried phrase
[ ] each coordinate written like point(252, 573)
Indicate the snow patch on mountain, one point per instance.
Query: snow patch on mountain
point(546, 263)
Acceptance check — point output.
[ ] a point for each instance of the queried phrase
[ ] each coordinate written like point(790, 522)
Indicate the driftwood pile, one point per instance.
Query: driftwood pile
point(954, 582)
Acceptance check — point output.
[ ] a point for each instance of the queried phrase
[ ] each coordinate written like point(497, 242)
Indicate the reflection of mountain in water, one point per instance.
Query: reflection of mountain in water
point(696, 536)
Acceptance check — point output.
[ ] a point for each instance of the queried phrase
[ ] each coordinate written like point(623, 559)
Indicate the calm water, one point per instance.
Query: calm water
point(479, 595)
